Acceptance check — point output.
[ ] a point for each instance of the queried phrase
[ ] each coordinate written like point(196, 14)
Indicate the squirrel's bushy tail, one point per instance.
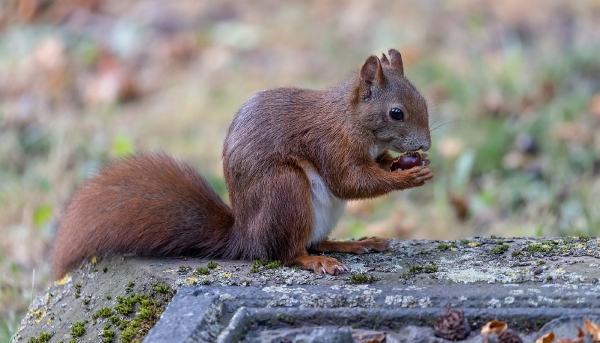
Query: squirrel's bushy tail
point(143, 204)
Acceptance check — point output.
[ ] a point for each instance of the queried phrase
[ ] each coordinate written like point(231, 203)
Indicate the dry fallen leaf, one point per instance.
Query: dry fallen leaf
point(495, 327)
point(592, 329)
point(452, 325)
point(547, 338)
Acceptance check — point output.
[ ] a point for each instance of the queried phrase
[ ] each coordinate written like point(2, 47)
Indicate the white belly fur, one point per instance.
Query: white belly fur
point(327, 209)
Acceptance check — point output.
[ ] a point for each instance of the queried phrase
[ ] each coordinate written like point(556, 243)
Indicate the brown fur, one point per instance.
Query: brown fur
point(153, 205)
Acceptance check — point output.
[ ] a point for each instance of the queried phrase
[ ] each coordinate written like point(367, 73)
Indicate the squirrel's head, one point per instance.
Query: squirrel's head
point(390, 106)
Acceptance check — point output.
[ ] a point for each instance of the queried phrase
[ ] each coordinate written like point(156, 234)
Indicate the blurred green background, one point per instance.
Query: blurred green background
point(514, 87)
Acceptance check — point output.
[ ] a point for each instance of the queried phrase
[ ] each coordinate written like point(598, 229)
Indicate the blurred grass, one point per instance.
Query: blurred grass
point(514, 87)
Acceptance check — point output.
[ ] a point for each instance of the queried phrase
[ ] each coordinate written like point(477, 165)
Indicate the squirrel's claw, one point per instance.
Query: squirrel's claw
point(321, 264)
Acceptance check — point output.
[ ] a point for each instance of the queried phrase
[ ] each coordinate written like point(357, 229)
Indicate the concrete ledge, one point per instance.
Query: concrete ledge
point(530, 281)
point(264, 314)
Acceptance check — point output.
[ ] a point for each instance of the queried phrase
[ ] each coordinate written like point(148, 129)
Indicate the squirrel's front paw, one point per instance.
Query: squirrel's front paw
point(321, 264)
point(416, 176)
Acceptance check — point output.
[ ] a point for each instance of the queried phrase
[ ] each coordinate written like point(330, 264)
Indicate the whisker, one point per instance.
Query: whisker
point(429, 107)
point(435, 121)
point(452, 121)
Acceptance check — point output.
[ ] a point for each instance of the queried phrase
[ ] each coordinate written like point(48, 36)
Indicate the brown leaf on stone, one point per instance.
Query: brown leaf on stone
point(547, 338)
point(495, 327)
point(370, 337)
point(592, 329)
point(452, 325)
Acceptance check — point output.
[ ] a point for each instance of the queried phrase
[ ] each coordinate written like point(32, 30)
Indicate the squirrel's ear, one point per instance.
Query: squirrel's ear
point(396, 61)
point(371, 71)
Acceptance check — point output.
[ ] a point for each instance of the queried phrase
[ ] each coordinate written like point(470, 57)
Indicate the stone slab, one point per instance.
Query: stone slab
point(561, 269)
point(276, 313)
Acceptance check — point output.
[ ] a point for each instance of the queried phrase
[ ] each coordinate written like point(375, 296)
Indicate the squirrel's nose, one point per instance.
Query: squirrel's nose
point(424, 147)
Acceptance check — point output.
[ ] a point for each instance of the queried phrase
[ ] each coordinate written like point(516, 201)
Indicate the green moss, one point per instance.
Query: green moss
point(430, 268)
point(107, 336)
point(202, 271)
point(443, 246)
point(184, 269)
point(78, 329)
point(122, 309)
point(263, 263)
point(123, 324)
point(517, 253)
point(541, 248)
point(108, 297)
point(464, 241)
point(274, 264)
point(595, 280)
point(104, 312)
point(128, 335)
point(44, 337)
point(501, 249)
point(86, 301)
point(162, 288)
point(256, 264)
point(549, 277)
point(77, 290)
point(493, 236)
point(212, 265)
point(415, 269)
point(105, 269)
point(129, 287)
point(147, 308)
point(540, 262)
point(359, 279)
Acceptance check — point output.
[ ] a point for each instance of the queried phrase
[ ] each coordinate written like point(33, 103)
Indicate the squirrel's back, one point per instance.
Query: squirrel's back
point(146, 204)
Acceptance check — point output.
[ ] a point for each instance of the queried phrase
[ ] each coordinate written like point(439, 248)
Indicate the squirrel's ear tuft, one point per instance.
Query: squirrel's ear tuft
point(371, 71)
point(384, 59)
point(396, 61)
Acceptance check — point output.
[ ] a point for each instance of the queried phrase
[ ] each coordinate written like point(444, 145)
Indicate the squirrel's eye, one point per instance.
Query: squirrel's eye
point(397, 114)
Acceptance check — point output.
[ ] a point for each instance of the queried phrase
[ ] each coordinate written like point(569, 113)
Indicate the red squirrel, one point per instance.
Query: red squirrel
point(292, 158)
